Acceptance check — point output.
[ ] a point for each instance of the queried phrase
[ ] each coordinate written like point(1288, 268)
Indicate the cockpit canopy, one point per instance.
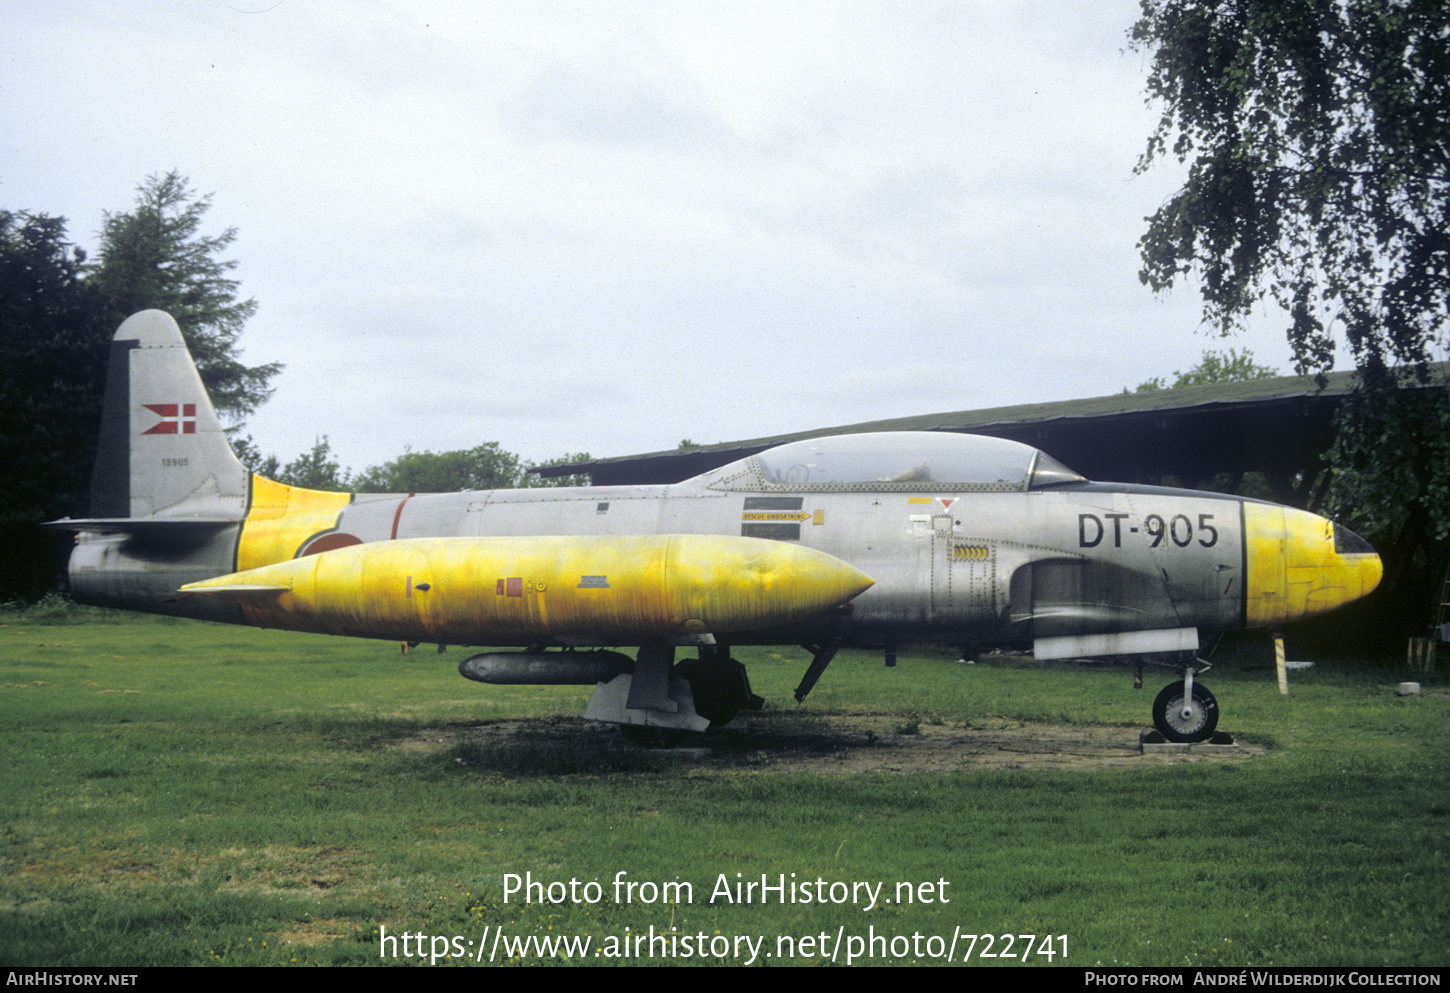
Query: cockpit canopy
point(890, 462)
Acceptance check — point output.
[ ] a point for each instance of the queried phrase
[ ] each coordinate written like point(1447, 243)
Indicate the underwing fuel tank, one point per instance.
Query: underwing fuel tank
point(609, 590)
point(545, 668)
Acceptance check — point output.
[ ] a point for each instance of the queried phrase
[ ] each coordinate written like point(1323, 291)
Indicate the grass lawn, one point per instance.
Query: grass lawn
point(178, 793)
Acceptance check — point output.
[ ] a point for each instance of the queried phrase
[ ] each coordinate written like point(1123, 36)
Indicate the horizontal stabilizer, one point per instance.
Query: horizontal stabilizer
point(141, 525)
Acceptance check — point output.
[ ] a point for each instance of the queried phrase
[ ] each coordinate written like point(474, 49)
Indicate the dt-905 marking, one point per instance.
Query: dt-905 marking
point(810, 543)
point(1178, 530)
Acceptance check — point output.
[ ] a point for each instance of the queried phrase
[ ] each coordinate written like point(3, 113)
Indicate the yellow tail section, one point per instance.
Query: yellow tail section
point(282, 520)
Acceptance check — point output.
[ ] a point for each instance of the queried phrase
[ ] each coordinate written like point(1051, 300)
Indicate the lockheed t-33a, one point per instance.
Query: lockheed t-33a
point(867, 540)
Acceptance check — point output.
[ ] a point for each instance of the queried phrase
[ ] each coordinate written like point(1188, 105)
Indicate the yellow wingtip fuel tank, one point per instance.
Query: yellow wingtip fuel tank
point(519, 590)
point(1301, 565)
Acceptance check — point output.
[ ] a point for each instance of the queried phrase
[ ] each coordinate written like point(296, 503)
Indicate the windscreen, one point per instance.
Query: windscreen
point(896, 461)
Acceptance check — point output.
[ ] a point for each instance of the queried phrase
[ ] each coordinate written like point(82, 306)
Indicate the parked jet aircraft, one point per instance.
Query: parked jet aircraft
point(854, 540)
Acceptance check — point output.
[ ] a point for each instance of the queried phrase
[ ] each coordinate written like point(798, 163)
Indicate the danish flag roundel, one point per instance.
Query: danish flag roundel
point(176, 418)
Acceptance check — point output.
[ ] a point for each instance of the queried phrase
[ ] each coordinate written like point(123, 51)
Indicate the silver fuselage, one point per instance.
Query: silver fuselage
point(949, 566)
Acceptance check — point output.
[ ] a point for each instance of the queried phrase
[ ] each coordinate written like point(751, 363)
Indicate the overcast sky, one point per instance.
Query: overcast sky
point(605, 227)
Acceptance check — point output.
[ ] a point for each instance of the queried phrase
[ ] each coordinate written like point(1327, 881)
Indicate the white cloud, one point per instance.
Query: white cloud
point(609, 226)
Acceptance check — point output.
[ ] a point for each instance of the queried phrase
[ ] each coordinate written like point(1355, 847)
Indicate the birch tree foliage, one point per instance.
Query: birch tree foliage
point(1317, 139)
point(1316, 136)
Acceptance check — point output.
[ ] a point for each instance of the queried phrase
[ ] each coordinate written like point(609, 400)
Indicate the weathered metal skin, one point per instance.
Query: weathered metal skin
point(969, 540)
point(986, 566)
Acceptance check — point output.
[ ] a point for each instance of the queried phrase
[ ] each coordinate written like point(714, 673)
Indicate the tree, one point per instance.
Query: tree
point(52, 373)
point(1317, 139)
point(153, 256)
point(57, 315)
point(314, 470)
point(486, 467)
point(1317, 134)
point(52, 368)
point(246, 450)
point(1231, 366)
point(1391, 483)
point(530, 480)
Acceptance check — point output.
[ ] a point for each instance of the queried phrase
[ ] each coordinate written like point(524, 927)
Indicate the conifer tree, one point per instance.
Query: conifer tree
point(154, 256)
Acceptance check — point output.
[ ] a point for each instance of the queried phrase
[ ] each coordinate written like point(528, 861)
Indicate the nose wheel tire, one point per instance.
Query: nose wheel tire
point(1182, 719)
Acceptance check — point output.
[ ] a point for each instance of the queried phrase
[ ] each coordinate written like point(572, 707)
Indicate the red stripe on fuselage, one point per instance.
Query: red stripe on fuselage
point(398, 514)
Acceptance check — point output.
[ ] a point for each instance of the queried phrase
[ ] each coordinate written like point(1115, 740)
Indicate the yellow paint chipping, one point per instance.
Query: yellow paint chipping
point(511, 590)
point(1293, 569)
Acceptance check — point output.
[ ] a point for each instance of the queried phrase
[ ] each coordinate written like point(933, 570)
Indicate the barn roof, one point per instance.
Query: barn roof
point(1279, 426)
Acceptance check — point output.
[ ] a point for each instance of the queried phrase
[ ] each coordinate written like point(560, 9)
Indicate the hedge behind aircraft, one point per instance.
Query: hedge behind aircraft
point(853, 540)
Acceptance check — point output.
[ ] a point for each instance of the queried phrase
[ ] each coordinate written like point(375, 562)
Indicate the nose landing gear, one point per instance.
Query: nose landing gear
point(1185, 711)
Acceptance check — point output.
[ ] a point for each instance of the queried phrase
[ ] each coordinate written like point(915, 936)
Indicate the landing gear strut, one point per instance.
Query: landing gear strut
point(662, 704)
point(719, 684)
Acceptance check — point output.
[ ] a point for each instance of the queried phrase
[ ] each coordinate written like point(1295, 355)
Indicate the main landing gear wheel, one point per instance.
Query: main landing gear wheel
point(1182, 719)
point(720, 688)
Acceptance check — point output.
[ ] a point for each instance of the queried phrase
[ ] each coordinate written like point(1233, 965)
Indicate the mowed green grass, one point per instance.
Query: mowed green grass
point(179, 793)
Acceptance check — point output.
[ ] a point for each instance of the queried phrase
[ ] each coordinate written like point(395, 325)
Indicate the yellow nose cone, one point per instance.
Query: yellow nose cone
point(1302, 565)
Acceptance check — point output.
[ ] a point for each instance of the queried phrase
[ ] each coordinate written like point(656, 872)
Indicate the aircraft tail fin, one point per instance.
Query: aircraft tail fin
point(162, 452)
